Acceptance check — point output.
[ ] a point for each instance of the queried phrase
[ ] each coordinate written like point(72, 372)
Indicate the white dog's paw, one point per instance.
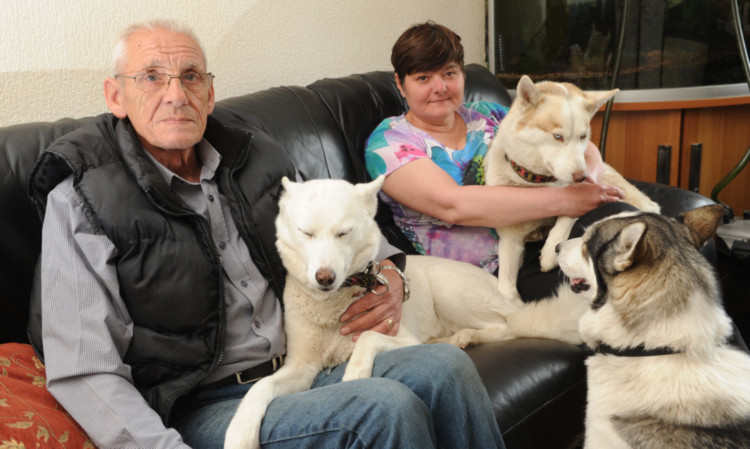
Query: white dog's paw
point(463, 338)
point(242, 436)
point(357, 369)
point(244, 429)
point(548, 258)
point(514, 299)
point(510, 294)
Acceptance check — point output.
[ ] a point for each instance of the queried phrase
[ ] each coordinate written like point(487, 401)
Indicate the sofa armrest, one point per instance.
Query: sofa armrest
point(672, 200)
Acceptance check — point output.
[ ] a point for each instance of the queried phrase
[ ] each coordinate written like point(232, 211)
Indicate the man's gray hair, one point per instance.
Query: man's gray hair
point(119, 54)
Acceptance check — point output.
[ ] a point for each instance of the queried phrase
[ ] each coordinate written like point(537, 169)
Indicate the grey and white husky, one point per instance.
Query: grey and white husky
point(663, 375)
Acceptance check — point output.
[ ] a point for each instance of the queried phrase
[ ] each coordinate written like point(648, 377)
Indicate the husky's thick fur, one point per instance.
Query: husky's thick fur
point(326, 233)
point(662, 375)
point(541, 142)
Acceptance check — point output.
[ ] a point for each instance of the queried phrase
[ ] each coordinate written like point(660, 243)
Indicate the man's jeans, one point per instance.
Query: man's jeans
point(420, 397)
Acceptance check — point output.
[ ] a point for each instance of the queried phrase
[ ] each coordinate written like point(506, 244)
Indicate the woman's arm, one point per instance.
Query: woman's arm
point(423, 186)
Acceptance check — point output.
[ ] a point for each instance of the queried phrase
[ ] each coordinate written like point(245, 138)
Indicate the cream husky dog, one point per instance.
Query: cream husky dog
point(662, 375)
point(541, 142)
point(326, 233)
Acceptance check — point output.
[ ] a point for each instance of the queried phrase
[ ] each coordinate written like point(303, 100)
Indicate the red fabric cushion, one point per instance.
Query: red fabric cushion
point(29, 416)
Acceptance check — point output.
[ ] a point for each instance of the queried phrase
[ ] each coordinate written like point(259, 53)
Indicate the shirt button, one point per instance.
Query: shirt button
point(222, 245)
point(211, 198)
point(243, 283)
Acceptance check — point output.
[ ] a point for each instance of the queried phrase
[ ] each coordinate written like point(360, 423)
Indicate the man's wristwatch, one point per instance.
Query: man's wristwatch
point(404, 279)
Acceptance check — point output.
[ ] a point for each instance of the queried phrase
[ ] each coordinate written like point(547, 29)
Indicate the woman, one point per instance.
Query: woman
point(433, 155)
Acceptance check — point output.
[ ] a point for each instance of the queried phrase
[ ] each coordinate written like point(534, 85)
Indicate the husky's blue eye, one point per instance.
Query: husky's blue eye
point(558, 137)
point(309, 235)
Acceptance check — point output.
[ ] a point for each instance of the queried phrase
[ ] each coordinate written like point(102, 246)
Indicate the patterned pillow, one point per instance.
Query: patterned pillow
point(29, 416)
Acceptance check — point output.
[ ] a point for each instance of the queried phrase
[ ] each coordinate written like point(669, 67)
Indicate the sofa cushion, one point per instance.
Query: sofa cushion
point(29, 415)
point(537, 388)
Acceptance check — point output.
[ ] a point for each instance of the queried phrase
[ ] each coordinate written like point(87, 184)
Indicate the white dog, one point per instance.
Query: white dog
point(662, 375)
point(541, 142)
point(326, 234)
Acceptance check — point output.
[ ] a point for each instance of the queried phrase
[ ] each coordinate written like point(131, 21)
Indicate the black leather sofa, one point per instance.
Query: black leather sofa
point(537, 386)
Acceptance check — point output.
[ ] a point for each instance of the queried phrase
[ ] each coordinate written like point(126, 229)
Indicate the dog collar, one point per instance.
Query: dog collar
point(638, 351)
point(368, 279)
point(529, 175)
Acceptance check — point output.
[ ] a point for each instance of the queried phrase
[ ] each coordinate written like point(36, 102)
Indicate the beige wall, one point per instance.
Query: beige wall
point(55, 54)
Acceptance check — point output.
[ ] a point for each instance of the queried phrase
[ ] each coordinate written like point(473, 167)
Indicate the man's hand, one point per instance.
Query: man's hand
point(380, 313)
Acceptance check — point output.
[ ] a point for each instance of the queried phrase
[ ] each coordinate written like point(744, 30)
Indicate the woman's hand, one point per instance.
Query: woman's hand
point(588, 195)
point(380, 313)
point(585, 196)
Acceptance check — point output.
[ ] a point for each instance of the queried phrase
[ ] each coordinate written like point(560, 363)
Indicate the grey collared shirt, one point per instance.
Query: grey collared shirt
point(247, 292)
point(87, 328)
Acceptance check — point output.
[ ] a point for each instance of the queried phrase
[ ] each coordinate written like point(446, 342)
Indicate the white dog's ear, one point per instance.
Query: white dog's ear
point(628, 239)
point(527, 93)
point(288, 184)
point(369, 193)
point(597, 98)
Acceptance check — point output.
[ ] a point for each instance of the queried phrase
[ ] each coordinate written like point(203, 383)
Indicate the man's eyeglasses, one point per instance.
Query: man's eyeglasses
point(195, 82)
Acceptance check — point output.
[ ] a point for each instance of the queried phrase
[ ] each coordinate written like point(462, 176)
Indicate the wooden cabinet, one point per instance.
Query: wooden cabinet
point(634, 139)
point(654, 142)
point(724, 134)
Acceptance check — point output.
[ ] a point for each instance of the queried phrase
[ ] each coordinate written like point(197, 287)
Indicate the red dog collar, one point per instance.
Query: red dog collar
point(529, 175)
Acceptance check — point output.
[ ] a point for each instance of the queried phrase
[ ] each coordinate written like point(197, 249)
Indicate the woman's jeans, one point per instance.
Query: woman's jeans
point(425, 396)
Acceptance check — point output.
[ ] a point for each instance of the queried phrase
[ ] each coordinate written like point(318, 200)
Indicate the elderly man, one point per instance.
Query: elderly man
point(154, 265)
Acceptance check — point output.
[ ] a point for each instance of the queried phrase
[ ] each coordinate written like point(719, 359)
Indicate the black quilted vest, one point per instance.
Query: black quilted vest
point(168, 266)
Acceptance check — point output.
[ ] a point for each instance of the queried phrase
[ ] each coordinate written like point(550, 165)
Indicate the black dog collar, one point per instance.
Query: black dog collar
point(638, 351)
point(368, 279)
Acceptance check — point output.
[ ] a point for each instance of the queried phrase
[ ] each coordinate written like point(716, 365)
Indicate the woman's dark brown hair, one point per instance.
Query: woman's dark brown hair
point(426, 47)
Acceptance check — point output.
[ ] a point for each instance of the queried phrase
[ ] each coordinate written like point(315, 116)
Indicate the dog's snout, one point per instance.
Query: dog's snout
point(579, 176)
point(325, 277)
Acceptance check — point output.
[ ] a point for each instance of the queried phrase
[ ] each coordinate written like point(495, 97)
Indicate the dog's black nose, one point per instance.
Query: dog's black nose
point(325, 277)
point(557, 248)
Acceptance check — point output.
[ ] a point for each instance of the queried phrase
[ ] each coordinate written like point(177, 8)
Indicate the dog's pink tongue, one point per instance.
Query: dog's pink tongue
point(579, 285)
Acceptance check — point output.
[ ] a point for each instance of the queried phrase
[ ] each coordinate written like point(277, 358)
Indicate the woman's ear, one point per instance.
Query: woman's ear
point(113, 98)
point(398, 84)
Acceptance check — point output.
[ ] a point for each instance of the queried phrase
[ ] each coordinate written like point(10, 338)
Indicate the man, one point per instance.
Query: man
point(160, 285)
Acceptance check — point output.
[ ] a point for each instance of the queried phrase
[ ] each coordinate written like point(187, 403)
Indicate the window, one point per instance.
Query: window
point(668, 43)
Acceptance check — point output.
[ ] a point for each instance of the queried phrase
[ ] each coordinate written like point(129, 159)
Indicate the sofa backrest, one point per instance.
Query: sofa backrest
point(358, 103)
point(322, 128)
point(315, 123)
point(296, 117)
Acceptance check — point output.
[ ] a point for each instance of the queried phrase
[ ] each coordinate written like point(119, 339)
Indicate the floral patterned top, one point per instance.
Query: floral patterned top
point(396, 142)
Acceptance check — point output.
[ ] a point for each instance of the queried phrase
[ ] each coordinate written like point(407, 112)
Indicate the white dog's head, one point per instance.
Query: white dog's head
point(326, 231)
point(549, 126)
